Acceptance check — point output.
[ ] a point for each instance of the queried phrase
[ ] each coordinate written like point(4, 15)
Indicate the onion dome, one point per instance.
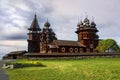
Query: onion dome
point(96, 36)
point(81, 24)
point(44, 29)
point(93, 25)
point(50, 30)
point(78, 25)
point(53, 33)
point(47, 24)
point(86, 20)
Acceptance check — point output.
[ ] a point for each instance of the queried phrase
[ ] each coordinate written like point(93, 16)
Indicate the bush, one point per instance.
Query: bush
point(26, 64)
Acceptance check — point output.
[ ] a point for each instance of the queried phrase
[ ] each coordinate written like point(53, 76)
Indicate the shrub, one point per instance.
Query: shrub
point(26, 64)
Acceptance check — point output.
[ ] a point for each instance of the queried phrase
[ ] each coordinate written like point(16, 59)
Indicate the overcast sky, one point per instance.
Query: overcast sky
point(16, 16)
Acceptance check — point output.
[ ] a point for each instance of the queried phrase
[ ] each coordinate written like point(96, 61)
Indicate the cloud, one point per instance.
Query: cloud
point(7, 46)
point(16, 17)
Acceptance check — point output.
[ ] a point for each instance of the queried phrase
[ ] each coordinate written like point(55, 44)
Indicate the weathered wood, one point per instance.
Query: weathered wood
point(69, 55)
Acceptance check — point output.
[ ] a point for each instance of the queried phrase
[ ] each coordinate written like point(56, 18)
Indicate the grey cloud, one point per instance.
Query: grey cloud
point(62, 14)
point(16, 37)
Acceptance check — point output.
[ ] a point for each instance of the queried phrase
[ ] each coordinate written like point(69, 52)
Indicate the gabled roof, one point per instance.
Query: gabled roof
point(34, 26)
point(67, 43)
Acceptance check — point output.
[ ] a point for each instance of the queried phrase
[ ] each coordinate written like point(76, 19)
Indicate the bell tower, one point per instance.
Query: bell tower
point(34, 37)
point(87, 34)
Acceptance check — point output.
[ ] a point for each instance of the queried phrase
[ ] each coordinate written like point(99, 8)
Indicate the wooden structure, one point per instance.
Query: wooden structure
point(34, 37)
point(15, 55)
point(45, 41)
point(87, 35)
point(65, 46)
point(70, 55)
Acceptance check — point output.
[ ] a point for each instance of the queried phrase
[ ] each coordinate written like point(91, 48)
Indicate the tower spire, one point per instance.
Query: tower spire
point(35, 15)
point(34, 26)
point(86, 15)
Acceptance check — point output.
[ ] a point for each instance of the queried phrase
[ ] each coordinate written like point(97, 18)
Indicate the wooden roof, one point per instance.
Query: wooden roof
point(17, 52)
point(34, 26)
point(67, 43)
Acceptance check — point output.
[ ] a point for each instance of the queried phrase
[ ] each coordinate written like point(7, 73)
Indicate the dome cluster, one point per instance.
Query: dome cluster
point(47, 24)
point(47, 34)
point(86, 24)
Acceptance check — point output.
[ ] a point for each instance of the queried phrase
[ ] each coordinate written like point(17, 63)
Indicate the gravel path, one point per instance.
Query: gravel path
point(3, 75)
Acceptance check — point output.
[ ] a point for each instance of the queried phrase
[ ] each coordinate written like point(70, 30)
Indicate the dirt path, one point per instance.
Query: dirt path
point(3, 75)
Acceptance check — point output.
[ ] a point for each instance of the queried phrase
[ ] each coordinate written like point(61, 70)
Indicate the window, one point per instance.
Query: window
point(71, 49)
point(76, 50)
point(63, 49)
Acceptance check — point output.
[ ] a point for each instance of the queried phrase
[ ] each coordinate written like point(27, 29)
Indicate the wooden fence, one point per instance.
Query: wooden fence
point(69, 55)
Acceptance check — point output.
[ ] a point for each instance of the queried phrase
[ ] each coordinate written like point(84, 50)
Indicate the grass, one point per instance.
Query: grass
point(86, 69)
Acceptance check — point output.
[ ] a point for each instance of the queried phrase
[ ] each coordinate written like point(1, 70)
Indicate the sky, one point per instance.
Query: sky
point(16, 17)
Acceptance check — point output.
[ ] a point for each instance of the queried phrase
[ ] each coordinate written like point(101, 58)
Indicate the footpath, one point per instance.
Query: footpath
point(3, 75)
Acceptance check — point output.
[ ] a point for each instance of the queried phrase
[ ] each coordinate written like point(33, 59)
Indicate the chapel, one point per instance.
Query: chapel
point(43, 43)
point(45, 40)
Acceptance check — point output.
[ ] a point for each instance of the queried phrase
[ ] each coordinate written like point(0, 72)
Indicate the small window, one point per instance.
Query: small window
point(63, 49)
point(71, 49)
point(76, 50)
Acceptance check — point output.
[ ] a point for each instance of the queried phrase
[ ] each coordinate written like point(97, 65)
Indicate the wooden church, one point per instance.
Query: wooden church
point(45, 41)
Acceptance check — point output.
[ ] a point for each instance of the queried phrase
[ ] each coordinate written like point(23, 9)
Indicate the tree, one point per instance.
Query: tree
point(108, 44)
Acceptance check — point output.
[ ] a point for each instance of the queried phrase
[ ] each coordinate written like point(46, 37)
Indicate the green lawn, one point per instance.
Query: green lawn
point(86, 69)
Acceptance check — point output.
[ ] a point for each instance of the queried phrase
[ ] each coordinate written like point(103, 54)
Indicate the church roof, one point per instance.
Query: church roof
point(67, 43)
point(86, 20)
point(93, 25)
point(47, 24)
point(34, 26)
